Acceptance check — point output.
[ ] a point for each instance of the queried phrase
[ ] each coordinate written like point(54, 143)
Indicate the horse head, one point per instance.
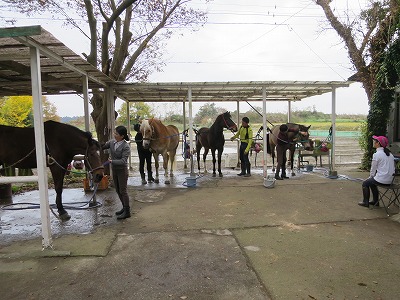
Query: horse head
point(226, 121)
point(304, 137)
point(92, 158)
point(147, 132)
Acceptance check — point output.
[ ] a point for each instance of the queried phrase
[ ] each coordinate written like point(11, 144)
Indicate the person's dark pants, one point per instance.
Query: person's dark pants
point(372, 184)
point(120, 178)
point(244, 159)
point(281, 159)
point(145, 157)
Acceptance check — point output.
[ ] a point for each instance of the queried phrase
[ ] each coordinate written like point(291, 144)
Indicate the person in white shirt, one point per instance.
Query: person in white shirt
point(381, 173)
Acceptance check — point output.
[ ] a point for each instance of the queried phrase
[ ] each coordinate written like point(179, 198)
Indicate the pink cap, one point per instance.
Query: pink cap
point(382, 140)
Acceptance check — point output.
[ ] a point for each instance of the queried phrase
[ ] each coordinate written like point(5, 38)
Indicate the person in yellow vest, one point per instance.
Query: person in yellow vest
point(245, 135)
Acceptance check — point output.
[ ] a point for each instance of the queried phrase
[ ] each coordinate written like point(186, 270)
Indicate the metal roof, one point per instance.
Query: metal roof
point(62, 70)
point(224, 91)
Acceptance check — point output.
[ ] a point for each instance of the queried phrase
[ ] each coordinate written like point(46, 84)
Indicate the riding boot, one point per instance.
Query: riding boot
point(248, 171)
point(125, 214)
point(119, 212)
point(375, 196)
point(277, 174)
point(143, 179)
point(365, 201)
point(150, 176)
point(243, 172)
point(283, 175)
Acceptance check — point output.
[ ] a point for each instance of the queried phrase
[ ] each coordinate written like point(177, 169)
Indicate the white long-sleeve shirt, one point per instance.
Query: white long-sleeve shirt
point(382, 166)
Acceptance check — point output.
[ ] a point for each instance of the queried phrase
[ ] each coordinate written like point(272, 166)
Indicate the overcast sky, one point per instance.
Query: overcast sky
point(253, 40)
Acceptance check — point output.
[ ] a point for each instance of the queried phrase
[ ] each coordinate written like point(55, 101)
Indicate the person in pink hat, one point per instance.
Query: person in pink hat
point(381, 173)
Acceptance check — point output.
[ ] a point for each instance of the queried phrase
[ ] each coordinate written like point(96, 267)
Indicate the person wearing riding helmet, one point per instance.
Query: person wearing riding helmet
point(144, 156)
point(245, 134)
point(381, 173)
point(120, 151)
point(282, 146)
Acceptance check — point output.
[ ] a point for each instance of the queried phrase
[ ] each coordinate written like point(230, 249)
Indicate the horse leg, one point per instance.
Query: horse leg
point(165, 166)
point(172, 162)
point(204, 159)
point(198, 159)
point(272, 149)
point(213, 161)
point(58, 177)
point(219, 162)
point(156, 165)
point(292, 149)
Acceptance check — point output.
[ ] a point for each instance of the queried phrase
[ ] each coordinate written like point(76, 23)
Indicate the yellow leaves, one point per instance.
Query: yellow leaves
point(17, 111)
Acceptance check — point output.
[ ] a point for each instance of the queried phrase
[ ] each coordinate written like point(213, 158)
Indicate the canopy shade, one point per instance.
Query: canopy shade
point(224, 91)
point(62, 70)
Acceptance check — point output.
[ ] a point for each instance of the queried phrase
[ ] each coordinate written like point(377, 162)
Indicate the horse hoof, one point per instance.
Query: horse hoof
point(293, 174)
point(65, 217)
point(167, 182)
point(214, 175)
point(220, 175)
point(156, 181)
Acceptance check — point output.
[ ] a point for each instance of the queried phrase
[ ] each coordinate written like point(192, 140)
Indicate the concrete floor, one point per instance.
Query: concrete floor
point(225, 238)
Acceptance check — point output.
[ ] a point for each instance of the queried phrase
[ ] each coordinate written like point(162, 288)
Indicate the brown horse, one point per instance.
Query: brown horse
point(63, 142)
point(213, 138)
point(302, 137)
point(160, 139)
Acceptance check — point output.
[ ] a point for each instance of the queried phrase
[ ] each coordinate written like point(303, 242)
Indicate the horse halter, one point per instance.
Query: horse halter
point(226, 123)
point(152, 133)
point(91, 170)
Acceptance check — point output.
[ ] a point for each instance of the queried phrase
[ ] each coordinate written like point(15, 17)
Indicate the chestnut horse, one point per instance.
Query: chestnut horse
point(213, 138)
point(160, 139)
point(63, 142)
point(302, 137)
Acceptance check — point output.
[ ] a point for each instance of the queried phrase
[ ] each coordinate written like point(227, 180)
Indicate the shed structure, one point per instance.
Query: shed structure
point(33, 62)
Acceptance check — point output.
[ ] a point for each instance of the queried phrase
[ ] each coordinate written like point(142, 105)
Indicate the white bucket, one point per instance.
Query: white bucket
point(190, 181)
point(269, 182)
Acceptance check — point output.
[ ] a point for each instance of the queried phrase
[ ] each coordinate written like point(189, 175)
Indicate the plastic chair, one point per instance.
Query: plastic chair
point(390, 194)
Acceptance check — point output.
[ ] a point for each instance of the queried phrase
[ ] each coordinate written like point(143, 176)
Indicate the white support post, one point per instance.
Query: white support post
point(239, 122)
point(109, 94)
point(86, 102)
point(264, 115)
point(289, 112)
point(128, 117)
point(184, 127)
point(40, 147)
point(332, 171)
point(192, 174)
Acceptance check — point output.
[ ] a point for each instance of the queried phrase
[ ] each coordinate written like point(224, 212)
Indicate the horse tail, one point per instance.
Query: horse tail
point(268, 147)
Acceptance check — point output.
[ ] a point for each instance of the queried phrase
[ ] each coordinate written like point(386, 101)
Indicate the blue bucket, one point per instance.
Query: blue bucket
point(309, 168)
point(190, 181)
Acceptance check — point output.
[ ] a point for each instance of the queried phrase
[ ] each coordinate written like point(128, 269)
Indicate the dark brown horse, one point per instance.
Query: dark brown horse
point(160, 139)
point(63, 142)
point(302, 137)
point(213, 138)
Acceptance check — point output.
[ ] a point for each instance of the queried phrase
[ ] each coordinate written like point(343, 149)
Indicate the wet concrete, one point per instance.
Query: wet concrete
point(226, 238)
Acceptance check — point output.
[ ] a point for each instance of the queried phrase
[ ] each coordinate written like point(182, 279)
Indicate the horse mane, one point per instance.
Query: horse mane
point(86, 134)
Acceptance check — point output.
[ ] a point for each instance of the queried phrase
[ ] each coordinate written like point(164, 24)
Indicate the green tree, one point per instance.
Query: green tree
point(206, 114)
point(15, 111)
point(367, 38)
point(126, 36)
point(18, 111)
point(137, 110)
